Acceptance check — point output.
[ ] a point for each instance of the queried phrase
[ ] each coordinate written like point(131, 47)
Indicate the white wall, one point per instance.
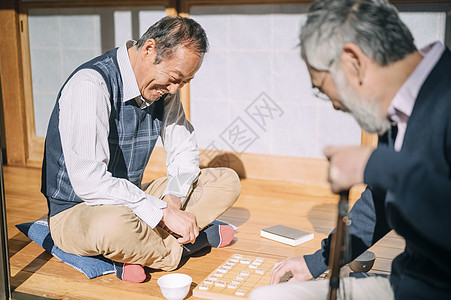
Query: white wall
point(63, 39)
point(253, 51)
point(253, 92)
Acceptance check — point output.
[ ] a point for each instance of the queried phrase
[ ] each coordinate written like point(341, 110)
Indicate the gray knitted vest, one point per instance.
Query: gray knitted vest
point(133, 134)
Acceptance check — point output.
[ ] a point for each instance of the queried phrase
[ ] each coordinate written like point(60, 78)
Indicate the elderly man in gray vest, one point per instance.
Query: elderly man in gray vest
point(106, 121)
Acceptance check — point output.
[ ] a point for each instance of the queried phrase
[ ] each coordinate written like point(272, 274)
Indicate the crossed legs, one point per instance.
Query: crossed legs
point(116, 232)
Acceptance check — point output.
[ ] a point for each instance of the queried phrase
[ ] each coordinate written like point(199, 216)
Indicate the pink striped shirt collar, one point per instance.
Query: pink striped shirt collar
point(402, 104)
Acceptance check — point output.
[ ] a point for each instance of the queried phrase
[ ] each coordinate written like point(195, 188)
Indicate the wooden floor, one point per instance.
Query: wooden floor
point(261, 204)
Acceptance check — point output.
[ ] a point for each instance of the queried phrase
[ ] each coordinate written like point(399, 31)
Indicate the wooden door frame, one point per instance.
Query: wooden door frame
point(12, 85)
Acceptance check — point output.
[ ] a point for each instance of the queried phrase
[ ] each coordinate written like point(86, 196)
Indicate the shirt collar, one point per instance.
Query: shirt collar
point(130, 86)
point(402, 104)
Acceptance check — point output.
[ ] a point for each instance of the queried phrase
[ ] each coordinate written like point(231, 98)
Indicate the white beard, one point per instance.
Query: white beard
point(365, 111)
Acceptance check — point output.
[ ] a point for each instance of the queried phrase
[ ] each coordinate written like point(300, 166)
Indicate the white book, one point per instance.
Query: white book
point(286, 235)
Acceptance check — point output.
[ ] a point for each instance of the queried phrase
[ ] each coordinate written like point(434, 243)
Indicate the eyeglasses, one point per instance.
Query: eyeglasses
point(317, 90)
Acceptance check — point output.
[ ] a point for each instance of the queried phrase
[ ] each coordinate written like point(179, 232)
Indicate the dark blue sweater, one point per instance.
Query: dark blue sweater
point(410, 191)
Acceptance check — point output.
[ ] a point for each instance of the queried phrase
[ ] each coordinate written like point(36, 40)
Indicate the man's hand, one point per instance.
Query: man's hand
point(173, 201)
point(346, 165)
point(296, 265)
point(182, 223)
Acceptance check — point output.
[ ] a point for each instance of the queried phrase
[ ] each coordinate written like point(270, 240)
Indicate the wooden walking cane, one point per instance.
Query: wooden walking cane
point(338, 246)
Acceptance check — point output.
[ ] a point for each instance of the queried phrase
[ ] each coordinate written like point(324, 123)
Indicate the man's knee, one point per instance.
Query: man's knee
point(233, 181)
point(228, 180)
point(114, 225)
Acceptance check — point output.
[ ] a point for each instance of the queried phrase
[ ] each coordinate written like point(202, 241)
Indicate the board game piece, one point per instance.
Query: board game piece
point(236, 278)
point(245, 261)
point(260, 271)
point(220, 283)
point(213, 277)
point(232, 286)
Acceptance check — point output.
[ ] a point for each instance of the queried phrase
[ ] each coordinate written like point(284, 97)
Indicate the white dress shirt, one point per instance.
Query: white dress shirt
point(84, 127)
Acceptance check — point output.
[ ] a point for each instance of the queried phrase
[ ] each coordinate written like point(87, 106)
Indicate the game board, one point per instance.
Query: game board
point(236, 278)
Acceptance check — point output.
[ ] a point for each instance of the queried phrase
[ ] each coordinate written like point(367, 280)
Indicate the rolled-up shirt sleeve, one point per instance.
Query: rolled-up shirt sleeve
point(182, 153)
point(84, 127)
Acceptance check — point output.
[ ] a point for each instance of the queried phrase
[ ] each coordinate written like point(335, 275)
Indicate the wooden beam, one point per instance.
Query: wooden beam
point(93, 3)
point(302, 170)
point(185, 5)
point(185, 91)
point(369, 139)
point(35, 144)
point(12, 84)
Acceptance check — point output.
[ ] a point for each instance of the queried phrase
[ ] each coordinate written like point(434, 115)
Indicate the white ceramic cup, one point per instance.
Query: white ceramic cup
point(175, 286)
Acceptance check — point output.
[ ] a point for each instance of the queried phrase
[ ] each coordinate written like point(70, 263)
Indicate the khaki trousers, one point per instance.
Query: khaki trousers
point(118, 234)
point(370, 288)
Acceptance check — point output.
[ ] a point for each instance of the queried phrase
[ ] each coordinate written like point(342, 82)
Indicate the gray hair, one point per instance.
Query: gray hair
point(174, 31)
point(373, 25)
